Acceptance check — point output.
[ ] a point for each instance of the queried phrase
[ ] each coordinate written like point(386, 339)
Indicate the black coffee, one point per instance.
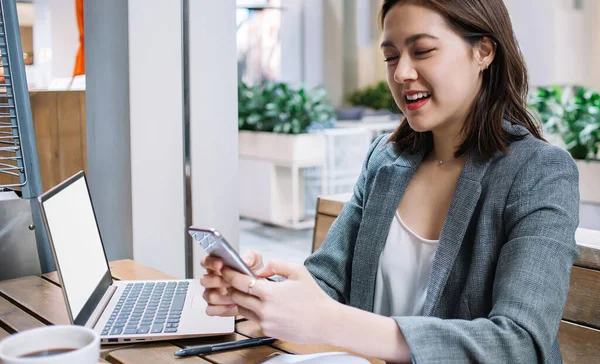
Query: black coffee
point(48, 352)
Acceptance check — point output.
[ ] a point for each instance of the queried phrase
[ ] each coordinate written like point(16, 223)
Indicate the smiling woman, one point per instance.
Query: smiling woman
point(459, 238)
point(479, 55)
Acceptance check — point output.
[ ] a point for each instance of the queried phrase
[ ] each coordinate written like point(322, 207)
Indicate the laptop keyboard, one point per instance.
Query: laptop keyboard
point(148, 308)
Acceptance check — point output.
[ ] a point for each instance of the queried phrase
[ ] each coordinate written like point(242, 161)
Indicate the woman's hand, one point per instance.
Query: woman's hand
point(216, 292)
point(295, 310)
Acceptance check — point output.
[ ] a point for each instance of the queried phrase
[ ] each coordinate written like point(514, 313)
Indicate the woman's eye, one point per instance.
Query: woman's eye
point(421, 53)
point(389, 59)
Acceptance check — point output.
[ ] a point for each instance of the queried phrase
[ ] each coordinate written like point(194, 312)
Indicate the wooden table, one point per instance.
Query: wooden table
point(30, 302)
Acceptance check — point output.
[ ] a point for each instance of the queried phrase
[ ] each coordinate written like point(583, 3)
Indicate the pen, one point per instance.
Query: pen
point(232, 345)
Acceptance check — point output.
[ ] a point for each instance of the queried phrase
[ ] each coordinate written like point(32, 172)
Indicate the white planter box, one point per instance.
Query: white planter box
point(589, 181)
point(271, 178)
point(282, 149)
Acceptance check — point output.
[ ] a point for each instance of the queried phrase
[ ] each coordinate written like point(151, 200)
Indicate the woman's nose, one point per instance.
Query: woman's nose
point(405, 71)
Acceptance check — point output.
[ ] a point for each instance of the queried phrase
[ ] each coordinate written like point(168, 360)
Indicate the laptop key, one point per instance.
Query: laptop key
point(178, 302)
point(173, 321)
point(130, 331)
point(116, 331)
point(143, 330)
point(173, 325)
point(104, 333)
point(170, 330)
point(157, 329)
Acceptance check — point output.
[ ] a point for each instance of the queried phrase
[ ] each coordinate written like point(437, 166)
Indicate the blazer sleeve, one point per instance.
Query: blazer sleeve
point(532, 275)
point(331, 264)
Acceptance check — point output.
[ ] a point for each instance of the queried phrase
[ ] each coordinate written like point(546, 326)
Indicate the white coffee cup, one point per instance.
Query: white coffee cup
point(65, 343)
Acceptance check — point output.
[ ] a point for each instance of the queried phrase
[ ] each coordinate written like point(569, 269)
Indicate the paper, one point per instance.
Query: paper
point(325, 358)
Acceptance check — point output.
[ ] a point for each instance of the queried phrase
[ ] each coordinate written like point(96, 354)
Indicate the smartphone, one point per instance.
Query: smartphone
point(215, 244)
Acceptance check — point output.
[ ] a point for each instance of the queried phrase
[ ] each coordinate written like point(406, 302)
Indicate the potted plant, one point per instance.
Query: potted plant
point(274, 122)
point(571, 115)
point(277, 138)
point(373, 100)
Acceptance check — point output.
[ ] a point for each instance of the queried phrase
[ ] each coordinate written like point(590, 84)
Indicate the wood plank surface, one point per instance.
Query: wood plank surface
point(252, 329)
point(15, 319)
point(37, 296)
point(127, 269)
point(250, 355)
point(45, 122)
point(70, 135)
point(588, 258)
point(578, 344)
point(83, 128)
point(322, 224)
point(3, 333)
point(147, 353)
point(583, 301)
point(333, 204)
point(52, 277)
point(589, 248)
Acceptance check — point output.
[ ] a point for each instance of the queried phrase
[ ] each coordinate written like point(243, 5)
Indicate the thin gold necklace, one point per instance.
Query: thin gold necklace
point(441, 161)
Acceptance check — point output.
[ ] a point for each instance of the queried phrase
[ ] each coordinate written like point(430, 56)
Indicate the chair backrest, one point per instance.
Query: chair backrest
point(579, 333)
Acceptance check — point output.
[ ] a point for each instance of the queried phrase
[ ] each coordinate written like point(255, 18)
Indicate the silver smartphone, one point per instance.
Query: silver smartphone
point(215, 244)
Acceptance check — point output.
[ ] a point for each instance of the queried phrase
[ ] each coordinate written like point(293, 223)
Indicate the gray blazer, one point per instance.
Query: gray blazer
point(500, 275)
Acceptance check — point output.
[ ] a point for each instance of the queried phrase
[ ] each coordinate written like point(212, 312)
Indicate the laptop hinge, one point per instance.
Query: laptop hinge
point(95, 316)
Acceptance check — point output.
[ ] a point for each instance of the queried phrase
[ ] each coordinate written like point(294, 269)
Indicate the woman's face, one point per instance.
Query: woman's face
point(431, 71)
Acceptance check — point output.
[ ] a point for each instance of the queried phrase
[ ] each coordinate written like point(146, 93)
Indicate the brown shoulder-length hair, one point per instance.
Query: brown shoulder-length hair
point(503, 95)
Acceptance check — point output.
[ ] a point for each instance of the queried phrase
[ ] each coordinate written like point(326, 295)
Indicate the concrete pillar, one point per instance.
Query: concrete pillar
point(137, 116)
point(213, 120)
point(107, 117)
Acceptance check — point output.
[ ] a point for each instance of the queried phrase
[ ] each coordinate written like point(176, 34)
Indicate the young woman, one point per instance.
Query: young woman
point(458, 242)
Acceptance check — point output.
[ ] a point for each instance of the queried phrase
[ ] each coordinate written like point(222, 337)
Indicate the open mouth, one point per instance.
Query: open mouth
point(416, 98)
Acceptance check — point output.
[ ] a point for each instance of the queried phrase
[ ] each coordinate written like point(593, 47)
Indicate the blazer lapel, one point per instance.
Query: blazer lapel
point(388, 188)
point(464, 202)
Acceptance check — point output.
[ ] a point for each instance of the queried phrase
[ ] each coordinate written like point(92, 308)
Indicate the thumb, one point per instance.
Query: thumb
point(279, 267)
point(253, 260)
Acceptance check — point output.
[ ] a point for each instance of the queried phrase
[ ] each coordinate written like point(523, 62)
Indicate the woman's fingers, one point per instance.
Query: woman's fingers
point(243, 282)
point(248, 314)
point(253, 260)
point(215, 297)
point(222, 310)
point(213, 263)
point(245, 300)
point(213, 281)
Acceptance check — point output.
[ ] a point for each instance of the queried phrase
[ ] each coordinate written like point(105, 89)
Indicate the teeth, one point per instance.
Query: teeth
point(417, 96)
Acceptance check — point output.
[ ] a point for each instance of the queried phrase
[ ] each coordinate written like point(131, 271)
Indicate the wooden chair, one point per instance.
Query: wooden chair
point(579, 333)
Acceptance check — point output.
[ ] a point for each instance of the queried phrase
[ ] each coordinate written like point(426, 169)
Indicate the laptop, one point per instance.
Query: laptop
point(120, 311)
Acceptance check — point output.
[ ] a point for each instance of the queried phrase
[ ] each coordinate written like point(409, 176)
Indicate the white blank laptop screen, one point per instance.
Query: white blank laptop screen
point(78, 248)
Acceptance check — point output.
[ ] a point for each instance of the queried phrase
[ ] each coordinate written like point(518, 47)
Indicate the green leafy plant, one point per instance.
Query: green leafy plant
point(276, 107)
point(376, 97)
point(572, 113)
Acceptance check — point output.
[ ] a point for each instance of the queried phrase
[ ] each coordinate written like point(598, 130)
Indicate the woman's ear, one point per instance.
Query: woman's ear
point(484, 52)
